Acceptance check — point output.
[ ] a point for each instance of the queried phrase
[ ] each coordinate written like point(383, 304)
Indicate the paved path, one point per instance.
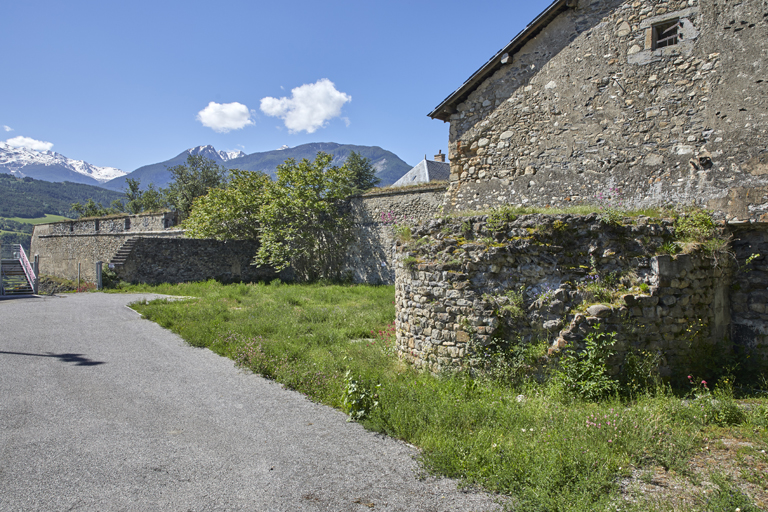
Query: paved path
point(102, 410)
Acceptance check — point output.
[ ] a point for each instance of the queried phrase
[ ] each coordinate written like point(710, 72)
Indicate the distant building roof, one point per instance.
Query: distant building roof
point(424, 172)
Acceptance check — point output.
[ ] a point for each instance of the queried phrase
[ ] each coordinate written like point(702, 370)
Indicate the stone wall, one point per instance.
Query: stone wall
point(749, 294)
point(61, 246)
point(370, 258)
point(141, 223)
point(470, 281)
point(588, 106)
point(162, 260)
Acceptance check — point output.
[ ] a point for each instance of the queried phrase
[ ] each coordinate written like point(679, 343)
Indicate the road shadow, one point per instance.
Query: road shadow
point(78, 359)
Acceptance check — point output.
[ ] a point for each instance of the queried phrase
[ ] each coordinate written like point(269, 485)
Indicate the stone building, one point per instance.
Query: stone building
point(656, 101)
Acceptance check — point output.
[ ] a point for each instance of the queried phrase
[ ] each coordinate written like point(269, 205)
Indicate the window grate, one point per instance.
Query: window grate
point(666, 34)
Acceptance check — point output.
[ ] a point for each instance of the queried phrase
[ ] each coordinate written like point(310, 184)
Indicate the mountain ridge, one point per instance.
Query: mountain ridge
point(389, 167)
point(51, 166)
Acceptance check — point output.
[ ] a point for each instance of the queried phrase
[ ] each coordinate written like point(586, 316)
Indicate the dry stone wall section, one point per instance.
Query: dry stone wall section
point(464, 284)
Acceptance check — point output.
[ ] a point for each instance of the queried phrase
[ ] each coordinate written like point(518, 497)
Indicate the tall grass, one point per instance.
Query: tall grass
point(534, 442)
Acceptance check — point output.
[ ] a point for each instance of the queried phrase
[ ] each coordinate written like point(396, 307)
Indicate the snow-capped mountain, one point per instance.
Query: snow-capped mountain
point(217, 156)
point(52, 166)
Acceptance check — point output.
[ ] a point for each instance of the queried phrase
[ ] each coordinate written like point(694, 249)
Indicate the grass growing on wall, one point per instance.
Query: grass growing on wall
point(537, 444)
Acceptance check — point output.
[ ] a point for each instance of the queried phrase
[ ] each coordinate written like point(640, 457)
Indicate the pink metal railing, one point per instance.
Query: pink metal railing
point(22, 256)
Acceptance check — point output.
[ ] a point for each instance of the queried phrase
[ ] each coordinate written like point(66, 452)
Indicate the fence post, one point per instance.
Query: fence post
point(36, 270)
point(2, 289)
point(78, 276)
point(98, 275)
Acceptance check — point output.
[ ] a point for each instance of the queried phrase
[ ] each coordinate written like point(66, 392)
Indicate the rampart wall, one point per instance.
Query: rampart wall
point(370, 258)
point(61, 246)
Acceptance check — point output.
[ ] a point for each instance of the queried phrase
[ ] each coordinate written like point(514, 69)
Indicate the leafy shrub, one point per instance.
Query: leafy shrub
point(641, 372)
point(584, 372)
point(359, 399)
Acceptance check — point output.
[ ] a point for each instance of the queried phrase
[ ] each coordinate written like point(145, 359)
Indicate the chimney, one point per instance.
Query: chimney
point(440, 157)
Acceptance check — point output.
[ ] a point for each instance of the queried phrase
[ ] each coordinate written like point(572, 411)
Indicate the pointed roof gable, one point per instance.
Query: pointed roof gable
point(444, 110)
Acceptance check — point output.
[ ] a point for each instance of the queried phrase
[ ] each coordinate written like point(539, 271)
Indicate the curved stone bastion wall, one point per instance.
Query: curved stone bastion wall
point(463, 284)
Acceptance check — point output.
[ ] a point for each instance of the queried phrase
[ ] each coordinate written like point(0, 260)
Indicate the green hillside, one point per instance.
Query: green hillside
point(28, 198)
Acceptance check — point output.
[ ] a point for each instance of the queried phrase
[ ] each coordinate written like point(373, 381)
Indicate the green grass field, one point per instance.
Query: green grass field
point(39, 220)
point(526, 438)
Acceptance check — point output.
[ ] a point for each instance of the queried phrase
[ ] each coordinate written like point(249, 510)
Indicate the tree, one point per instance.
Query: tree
point(94, 209)
point(301, 220)
point(304, 219)
point(232, 212)
point(150, 200)
point(192, 180)
point(363, 173)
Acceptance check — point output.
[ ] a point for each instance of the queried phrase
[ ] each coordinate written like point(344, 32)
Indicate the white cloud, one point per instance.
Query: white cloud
point(224, 117)
point(29, 143)
point(310, 106)
point(7, 128)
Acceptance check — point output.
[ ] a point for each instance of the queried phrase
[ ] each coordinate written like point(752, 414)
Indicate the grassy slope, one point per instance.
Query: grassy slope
point(38, 220)
point(528, 441)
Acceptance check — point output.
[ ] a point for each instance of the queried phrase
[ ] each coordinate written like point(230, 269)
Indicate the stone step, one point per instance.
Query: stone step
point(123, 253)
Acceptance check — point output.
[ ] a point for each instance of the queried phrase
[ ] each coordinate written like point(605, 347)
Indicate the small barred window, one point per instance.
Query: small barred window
point(667, 34)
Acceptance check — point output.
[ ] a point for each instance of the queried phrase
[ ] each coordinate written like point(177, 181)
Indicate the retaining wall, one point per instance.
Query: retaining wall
point(179, 260)
point(61, 246)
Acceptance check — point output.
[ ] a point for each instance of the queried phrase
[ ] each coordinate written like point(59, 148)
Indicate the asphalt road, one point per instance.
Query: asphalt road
point(103, 410)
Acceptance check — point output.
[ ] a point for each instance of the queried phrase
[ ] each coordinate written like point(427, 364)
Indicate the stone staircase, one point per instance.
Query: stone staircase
point(122, 254)
point(14, 279)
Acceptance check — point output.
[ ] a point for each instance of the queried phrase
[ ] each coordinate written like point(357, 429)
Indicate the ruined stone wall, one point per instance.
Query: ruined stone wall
point(464, 282)
point(588, 106)
point(179, 260)
point(370, 258)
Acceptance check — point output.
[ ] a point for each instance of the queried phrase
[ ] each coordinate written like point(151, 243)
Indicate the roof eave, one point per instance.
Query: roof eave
point(444, 110)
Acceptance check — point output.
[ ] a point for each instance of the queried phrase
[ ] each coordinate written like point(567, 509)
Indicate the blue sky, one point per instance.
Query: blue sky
point(125, 84)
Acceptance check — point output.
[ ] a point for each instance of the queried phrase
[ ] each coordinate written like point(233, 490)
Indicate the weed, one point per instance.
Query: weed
point(410, 262)
point(584, 372)
point(670, 248)
point(403, 232)
point(359, 398)
point(499, 218)
point(515, 306)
